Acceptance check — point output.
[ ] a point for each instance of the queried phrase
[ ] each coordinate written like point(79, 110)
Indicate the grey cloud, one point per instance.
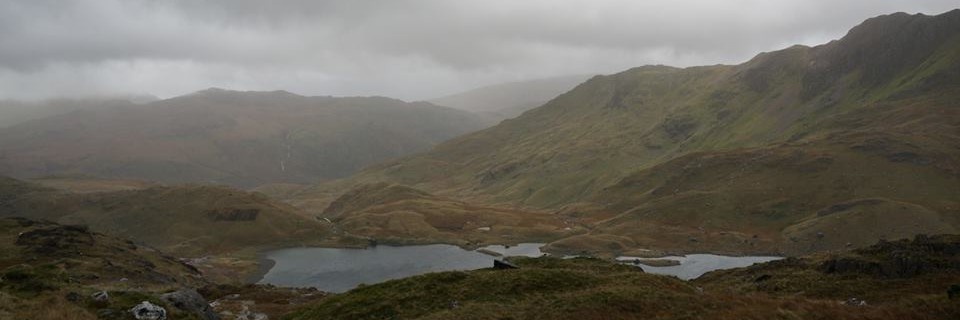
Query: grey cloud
point(407, 49)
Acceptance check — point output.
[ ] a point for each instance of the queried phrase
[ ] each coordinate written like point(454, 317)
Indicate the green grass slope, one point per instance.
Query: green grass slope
point(729, 158)
point(183, 220)
point(610, 126)
point(49, 271)
point(399, 214)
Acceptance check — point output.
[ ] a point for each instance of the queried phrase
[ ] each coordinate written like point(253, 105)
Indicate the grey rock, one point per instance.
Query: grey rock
point(190, 301)
point(855, 302)
point(106, 313)
point(503, 264)
point(148, 311)
point(100, 296)
point(73, 297)
point(954, 291)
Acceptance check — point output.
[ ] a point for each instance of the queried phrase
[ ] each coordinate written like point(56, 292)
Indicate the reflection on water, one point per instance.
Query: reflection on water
point(695, 265)
point(521, 250)
point(339, 270)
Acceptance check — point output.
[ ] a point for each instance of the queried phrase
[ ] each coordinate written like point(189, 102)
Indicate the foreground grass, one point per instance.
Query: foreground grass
point(550, 288)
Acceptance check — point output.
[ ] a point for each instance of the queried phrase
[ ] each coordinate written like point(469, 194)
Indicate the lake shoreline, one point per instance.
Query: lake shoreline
point(264, 265)
point(340, 269)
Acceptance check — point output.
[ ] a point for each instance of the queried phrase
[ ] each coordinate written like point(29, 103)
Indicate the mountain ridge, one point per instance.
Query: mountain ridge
point(238, 138)
point(881, 98)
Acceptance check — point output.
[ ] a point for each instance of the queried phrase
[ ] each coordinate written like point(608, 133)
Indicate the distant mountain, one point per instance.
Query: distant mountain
point(508, 100)
point(14, 112)
point(243, 139)
point(797, 150)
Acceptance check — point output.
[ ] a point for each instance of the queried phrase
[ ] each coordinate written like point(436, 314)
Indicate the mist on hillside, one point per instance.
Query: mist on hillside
point(502, 159)
point(410, 50)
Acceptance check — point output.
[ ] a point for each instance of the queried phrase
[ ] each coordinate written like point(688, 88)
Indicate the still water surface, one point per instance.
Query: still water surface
point(695, 265)
point(339, 270)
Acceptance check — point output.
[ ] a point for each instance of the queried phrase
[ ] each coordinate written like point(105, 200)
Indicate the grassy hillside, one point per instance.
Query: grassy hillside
point(730, 158)
point(609, 126)
point(581, 288)
point(50, 271)
point(917, 271)
point(14, 112)
point(238, 138)
point(398, 214)
point(188, 221)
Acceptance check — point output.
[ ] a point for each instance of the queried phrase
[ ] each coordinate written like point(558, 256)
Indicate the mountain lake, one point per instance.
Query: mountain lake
point(339, 269)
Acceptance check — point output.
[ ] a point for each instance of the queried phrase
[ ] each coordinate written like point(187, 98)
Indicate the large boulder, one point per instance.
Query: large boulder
point(190, 301)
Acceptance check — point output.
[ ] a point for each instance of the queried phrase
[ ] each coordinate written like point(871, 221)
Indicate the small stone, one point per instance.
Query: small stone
point(762, 278)
point(73, 297)
point(855, 302)
point(501, 265)
point(954, 292)
point(191, 301)
point(101, 296)
point(106, 313)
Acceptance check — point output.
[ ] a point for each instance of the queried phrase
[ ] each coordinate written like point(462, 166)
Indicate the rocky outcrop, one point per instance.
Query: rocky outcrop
point(499, 264)
point(899, 259)
point(233, 214)
point(56, 239)
point(188, 300)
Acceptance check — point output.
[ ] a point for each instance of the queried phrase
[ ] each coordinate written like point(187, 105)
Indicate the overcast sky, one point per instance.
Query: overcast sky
point(405, 49)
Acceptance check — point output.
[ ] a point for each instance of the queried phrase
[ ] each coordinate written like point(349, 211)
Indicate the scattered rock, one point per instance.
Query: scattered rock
point(148, 311)
point(909, 157)
point(73, 297)
point(188, 300)
point(502, 264)
point(855, 302)
point(106, 314)
point(101, 296)
point(901, 259)
point(844, 206)
point(762, 278)
point(954, 291)
point(233, 214)
point(57, 240)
